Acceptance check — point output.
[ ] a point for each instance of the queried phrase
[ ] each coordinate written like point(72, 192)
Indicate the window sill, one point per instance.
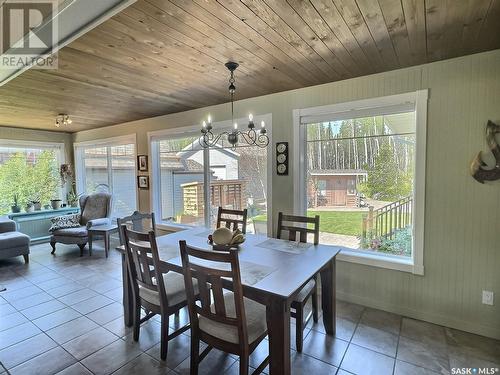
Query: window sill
point(381, 261)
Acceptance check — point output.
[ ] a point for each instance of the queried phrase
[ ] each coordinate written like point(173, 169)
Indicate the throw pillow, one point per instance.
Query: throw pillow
point(66, 221)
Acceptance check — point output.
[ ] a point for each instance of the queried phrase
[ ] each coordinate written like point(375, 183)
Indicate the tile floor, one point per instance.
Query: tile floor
point(62, 314)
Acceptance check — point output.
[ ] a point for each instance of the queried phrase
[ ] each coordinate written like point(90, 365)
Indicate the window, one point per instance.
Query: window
point(367, 151)
point(109, 166)
point(237, 179)
point(30, 172)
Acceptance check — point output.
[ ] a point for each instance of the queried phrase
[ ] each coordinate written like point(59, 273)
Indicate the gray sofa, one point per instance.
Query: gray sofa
point(95, 210)
point(12, 242)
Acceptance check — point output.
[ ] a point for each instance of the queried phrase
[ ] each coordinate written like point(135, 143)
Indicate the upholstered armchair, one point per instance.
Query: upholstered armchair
point(95, 210)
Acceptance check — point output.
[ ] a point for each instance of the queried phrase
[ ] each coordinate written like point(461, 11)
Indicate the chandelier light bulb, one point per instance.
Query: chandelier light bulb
point(250, 117)
point(262, 124)
point(235, 125)
point(209, 119)
point(204, 124)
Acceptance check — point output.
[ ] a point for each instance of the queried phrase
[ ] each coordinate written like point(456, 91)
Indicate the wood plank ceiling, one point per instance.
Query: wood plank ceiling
point(160, 56)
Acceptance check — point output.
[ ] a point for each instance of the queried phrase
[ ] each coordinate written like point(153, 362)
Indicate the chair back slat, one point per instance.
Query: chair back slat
point(232, 219)
point(138, 222)
point(143, 262)
point(293, 229)
point(213, 279)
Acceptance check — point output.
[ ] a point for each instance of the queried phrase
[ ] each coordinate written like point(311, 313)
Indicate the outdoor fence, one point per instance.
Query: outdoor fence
point(387, 220)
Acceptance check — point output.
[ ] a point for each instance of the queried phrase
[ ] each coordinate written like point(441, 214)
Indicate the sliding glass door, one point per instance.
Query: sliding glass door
point(109, 166)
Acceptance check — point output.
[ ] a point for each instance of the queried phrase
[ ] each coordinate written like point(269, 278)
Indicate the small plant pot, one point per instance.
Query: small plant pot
point(56, 204)
point(37, 206)
point(29, 208)
point(16, 209)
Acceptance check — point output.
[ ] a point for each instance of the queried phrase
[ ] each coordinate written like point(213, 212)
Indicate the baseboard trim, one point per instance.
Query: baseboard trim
point(444, 320)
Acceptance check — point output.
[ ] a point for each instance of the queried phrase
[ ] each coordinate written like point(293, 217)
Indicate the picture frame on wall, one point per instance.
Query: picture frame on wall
point(143, 182)
point(142, 163)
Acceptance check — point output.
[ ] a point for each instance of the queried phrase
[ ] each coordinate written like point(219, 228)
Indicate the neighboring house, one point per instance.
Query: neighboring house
point(334, 187)
point(187, 167)
point(224, 162)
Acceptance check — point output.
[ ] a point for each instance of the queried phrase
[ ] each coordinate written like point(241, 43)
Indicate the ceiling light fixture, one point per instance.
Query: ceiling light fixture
point(251, 136)
point(63, 120)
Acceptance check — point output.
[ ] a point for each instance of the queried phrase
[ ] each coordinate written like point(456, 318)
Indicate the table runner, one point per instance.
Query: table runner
point(285, 246)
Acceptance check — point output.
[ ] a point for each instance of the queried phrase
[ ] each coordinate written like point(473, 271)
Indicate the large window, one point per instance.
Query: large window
point(359, 176)
point(109, 166)
point(29, 171)
point(236, 179)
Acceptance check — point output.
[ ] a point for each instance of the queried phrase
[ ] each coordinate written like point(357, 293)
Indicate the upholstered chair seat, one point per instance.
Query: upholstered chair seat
point(174, 287)
point(255, 314)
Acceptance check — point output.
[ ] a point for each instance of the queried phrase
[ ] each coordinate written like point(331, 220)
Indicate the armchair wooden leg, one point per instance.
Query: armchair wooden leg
point(26, 258)
point(81, 246)
point(164, 338)
point(299, 325)
point(53, 244)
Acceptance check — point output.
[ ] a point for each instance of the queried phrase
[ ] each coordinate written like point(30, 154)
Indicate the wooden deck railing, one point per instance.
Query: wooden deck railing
point(385, 221)
point(224, 193)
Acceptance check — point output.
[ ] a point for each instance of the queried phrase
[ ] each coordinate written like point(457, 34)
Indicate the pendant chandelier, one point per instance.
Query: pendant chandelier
point(251, 137)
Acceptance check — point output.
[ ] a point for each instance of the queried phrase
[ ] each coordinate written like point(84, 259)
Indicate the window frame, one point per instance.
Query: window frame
point(79, 149)
point(194, 130)
point(417, 101)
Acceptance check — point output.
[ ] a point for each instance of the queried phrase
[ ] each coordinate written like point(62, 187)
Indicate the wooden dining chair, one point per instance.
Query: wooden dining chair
point(232, 323)
point(232, 219)
point(152, 289)
point(289, 223)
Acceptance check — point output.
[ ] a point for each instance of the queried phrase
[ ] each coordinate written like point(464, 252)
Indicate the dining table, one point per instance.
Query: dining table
point(272, 273)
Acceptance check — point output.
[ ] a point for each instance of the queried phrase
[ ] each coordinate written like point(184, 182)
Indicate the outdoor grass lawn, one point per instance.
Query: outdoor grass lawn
point(338, 222)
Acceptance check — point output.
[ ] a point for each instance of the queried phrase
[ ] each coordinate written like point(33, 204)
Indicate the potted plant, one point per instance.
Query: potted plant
point(55, 203)
point(29, 207)
point(16, 208)
point(36, 202)
point(72, 197)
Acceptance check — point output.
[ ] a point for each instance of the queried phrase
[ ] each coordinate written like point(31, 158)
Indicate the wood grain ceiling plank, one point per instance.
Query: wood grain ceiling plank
point(31, 90)
point(144, 53)
point(334, 20)
point(435, 11)
point(310, 16)
point(294, 21)
point(414, 13)
point(267, 15)
point(372, 14)
point(111, 90)
point(454, 28)
point(245, 15)
point(211, 13)
point(276, 67)
point(146, 16)
point(149, 17)
point(24, 99)
point(490, 30)
point(73, 63)
point(352, 16)
point(394, 17)
point(190, 62)
point(476, 14)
